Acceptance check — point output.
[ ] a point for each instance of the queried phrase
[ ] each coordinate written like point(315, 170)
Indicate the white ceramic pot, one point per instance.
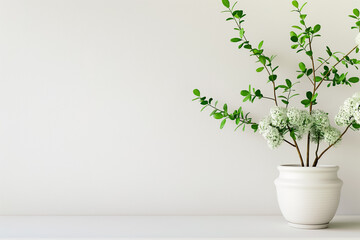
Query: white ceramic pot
point(308, 196)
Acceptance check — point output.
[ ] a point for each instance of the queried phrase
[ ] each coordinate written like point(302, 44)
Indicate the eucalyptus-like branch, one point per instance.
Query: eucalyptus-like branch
point(327, 74)
point(264, 64)
point(330, 146)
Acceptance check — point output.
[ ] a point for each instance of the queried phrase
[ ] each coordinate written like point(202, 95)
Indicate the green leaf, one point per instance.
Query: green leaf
point(288, 83)
point(235, 40)
point(303, 6)
point(242, 31)
point(317, 28)
point(222, 123)
point(295, 4)
point(309, 53)
point(358, 23)
point(203, 108)
point(297, 27)
point(313, 99)
point(292, 134)
point(309, 71)
point(204, 103)
point(260, 69)
point(356, 12)
point(225, 107)
point(318, 79)
point(302, 66)
point(354, 80)
point(244, 93)
point(285, 102)
point(309, 95)
point(272, 77)
point(258, 94)
point(305, 102)
point(255, 127)
point(294, 38)
point(294, 46)
point(355, 125)
point(242, 44)
point(238, 13)
point(248, 97)
point(352, 16)
point(328, 51)
point(226, 3)
point(218, 115)
point(303, 16)
point(262, 59)
point(196, 92)
point(260, 44)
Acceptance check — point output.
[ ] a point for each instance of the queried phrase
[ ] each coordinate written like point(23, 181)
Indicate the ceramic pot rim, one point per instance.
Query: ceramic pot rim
point(298, 168)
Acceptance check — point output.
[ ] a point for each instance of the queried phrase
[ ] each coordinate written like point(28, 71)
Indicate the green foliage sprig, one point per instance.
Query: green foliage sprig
point(302, 37)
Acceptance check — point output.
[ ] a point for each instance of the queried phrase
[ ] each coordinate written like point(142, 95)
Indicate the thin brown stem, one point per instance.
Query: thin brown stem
point(310, 79)
point(298, 150)
point(330, 146)
point(317, 148)
point(323, 63)
point(269, 98)
point(327, 74)
point(311, 104)
point(289, 143)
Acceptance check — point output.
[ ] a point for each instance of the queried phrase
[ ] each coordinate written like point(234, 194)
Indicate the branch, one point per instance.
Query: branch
point(289, 143)
point(297, 148)
point(330, 146)
point(335, 66)
point(266, 68)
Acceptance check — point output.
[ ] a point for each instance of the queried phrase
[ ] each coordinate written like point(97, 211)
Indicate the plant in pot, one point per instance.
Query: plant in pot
point(308, 193)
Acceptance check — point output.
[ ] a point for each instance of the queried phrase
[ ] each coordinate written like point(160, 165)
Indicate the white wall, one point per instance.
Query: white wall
point(96, 115)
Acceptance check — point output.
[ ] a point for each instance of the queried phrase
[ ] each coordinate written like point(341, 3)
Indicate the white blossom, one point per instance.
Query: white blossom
point(321, 119)
point(331, 135)
point(264, 125)
point(300, 121)
point(349, 111)
point(278, 117)
point(273, 137)
point(270, 133)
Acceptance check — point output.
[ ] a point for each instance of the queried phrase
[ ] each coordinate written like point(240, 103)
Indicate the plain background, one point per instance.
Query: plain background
point(96, 116)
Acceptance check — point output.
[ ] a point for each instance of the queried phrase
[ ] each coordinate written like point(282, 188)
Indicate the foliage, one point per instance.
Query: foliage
point(283, 122)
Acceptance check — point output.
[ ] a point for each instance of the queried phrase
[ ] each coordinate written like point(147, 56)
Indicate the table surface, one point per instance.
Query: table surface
point(170, 227)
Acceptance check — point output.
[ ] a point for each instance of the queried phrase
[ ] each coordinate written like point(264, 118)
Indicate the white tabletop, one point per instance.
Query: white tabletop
point(170, 227)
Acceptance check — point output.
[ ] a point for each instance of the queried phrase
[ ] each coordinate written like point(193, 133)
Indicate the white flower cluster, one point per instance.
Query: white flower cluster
point(349, 112)
point(321, 129)
point(270, 132)
point(281, 120)
point(300, 121)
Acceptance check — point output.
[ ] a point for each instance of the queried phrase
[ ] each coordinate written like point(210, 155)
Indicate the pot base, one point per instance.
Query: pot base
point(309, 226)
